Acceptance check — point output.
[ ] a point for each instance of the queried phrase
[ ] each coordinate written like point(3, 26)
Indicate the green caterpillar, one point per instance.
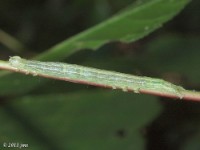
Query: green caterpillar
point(92, 76)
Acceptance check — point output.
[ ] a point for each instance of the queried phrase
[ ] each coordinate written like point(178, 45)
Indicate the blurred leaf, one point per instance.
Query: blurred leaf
point(15, 85)
point(86, 120)
point(135, 22)
point(132, 24)
point(175, 54)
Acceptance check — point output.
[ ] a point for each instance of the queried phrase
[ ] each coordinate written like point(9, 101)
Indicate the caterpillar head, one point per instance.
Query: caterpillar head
point(16, 61)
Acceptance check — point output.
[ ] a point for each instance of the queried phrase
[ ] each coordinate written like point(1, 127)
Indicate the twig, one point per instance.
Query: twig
point(186, 94)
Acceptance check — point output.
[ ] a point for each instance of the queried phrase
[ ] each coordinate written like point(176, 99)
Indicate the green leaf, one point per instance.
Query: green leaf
point(137, 21)
point(85, 120)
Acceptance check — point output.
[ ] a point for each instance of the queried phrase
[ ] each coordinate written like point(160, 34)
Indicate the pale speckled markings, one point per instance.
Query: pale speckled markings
point(95, 76)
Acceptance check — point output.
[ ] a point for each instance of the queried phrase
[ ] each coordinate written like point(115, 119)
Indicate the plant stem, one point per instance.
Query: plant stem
point(187, 94)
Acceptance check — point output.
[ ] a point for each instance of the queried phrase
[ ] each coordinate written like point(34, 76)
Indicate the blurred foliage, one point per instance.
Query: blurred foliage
point(61, 115)
point(84, 120)
point(43, 23)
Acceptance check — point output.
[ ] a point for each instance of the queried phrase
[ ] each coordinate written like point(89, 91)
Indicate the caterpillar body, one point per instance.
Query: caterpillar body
point(92, 76)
